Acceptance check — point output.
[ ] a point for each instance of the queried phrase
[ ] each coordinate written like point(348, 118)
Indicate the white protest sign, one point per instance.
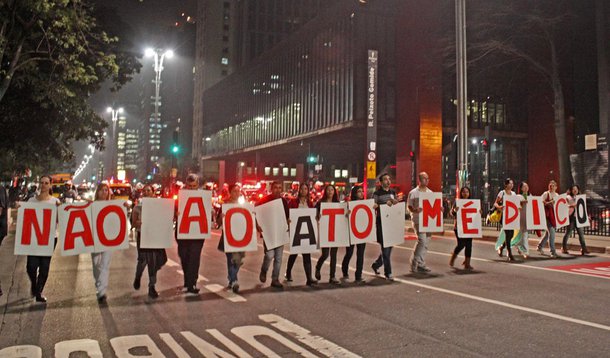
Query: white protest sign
point(431, 217)
point(362, 221)
point(194, 214)
point(334, 225)
point(562, 211)
point(469, 223)
point(157, 223)
point(392, 224)
point(36, 229)
point(110, 227)
point(75, 230)
point(534, 215)
point(511, 215)
point(303, 231)
point(272, 220)
point(580, 211)
point(239, 227)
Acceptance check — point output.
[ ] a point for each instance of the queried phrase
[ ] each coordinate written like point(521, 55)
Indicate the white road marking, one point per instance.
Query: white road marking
point(220, 291)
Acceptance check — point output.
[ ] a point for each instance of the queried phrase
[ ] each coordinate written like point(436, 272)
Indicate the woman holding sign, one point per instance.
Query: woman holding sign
point(521, 239)
point(357, 193)
point(153, 258)
point(462, 242)
point(38, 266)
point(549, 198)
point(574, 190)
point(101, 260)
point(499, 205)
point(330, 196)
point(302, 200)
point(235, 259)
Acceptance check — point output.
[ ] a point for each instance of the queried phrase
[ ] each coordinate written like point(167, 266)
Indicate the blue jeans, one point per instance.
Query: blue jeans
point(550, 237)
point(232, 268)
point(384, 259)
point(579, 231)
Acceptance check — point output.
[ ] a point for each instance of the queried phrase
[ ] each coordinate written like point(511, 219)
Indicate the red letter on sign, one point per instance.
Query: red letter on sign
point(536, 212)
point(561, 201)
point(202, 218)
point(431, 212)
point(507, 216)
point(369, 226)
point(71, 235)
point(31, 221)
point(466, 212)
point(99, 223)
point(331, 221)
point(249, 227)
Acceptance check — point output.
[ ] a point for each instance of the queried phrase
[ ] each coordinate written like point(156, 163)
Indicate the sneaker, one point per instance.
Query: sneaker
point(375, 269)
point(276, 284)
point(311, 283)
point(554, 255)
point(152, 293)
point(359, 281)
point(136, 284)
point(345, 277)
point(235, 287)
point(288, 278)
point(262, 277)
point(565, 251)
point(423, 269)
point(318, 275)
point(334, 281)
point(43, 299)
point(540, 251)
point(389, 277)
point(192, 291)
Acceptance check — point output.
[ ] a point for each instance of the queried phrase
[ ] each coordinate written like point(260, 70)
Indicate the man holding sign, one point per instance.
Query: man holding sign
point(574, 211)
point(384, 196)
point(274, 254)
point(418, 263)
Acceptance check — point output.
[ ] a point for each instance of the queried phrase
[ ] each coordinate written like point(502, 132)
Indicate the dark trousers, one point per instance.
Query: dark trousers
point(384, 259)
point(306, 265)
point(38, 272)
point(190, 256)
point(508, 235)
point(333, 260)
point(349, 251)
point(461, 244)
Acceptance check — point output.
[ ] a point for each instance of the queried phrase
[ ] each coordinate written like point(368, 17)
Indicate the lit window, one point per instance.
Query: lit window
point(337, 173)
point(293, 172)
point(267, 171)
point(344, 173)
point(285, 171)
point(224, 61)
point(276, 171)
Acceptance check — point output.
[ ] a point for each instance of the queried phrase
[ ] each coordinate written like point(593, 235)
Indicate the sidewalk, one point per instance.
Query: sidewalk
point(595, 244)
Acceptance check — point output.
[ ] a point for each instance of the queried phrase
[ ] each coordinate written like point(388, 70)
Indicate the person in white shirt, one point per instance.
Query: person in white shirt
point(549, 198)
point(418, 259)
point(499, 204)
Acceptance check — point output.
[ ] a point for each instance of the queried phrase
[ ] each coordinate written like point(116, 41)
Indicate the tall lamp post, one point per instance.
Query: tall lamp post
point(115, 116)
point(158, 56)
point(462, 96)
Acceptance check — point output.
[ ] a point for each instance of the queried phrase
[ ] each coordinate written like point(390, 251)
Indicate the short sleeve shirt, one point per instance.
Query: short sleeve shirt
point(413, 201)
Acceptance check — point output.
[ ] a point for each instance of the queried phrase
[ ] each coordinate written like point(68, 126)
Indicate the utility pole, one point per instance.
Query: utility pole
point(462, 95)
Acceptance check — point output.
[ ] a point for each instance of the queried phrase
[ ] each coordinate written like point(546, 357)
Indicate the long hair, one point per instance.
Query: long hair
point(353, 195)
point(462, 190)
point(335, 198)
point(99, 188)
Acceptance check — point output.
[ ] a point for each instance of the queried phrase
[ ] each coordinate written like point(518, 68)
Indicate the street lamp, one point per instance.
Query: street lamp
point(115, 116)
point(158, 55)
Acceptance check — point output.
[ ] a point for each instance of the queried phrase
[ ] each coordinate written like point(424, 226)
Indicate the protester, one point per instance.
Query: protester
point(383, 196)
point(499, 205)
point(69, 195)
point(461, 242)
point(234, 259)
point(101, 260)
point(38, 266)
point(276, 253)
point(189, 250)
point(154, 259)
point(357, 193)
point(302, 200)
point(418, 258)
point(330, 196)
point(520, 240)
point(549, 198)
point(572, 192)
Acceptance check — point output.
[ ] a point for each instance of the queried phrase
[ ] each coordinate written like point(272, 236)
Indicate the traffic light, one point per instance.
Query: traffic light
point(485, 144)
point(412, 155)
point(175, 148)
point(312, 159)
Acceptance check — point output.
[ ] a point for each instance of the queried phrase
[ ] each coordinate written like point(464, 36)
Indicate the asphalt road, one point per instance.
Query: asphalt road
point(537, 308)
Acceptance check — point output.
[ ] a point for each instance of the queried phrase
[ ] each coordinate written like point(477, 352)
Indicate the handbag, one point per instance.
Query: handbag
point(495, 216)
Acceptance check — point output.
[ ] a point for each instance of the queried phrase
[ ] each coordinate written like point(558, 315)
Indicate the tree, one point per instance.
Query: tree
point(53, 55)
point(534, 33)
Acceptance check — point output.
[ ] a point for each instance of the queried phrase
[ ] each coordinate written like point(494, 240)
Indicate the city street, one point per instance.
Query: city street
point(534, 308)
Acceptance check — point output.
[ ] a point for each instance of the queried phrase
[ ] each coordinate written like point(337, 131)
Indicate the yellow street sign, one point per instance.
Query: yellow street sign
point(371, 170)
